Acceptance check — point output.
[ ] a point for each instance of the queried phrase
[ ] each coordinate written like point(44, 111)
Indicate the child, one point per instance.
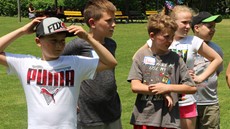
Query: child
point(52, 82)
point(203, 26)
point(188, 47)
point(157, 71)
point(99, 103)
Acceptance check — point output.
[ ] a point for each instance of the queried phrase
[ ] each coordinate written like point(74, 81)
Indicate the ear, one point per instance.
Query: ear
point(38, 41)
point(151, 35)
point(92, 23)
point(196, 28)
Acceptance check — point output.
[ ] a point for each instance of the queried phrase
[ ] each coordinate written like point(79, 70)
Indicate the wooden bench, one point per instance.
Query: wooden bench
point(120, 16)
point(74, 16)
point(136, 16)
point(147, 13)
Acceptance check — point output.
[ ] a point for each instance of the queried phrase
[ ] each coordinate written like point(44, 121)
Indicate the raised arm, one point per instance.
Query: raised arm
point(213, 57)
point(106, 59)
point(228, 75)
point(7, 39)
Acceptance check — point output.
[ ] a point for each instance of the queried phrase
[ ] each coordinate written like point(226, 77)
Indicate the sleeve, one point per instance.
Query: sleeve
point(88, 66)
point(15, 62)
point(220, 52)
point(196, 43)
point(135, 72)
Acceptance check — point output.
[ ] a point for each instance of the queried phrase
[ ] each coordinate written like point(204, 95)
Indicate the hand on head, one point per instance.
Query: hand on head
point(79, 31)
point(30, 27)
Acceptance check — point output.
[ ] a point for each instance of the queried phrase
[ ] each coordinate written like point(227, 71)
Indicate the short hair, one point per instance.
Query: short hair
point(95, 8)
point(180, 8)
point(159, 22)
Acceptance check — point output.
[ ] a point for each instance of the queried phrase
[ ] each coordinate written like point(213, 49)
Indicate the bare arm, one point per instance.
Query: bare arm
point(161, 88)
point(228, 75)
point(31, 11)
point(7, 39)
point(106, 59)
point(213, 57)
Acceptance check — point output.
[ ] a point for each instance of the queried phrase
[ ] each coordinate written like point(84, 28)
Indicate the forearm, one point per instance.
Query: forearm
point(213, 66)
point(8, 38)
point(141, 89)
point(213, 57)
point(182, 89)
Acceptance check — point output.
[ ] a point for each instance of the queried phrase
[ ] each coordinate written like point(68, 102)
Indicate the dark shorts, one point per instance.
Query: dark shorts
point(208, 117)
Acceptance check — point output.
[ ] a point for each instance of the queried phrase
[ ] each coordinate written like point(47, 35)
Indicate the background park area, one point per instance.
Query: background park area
point(129, 38)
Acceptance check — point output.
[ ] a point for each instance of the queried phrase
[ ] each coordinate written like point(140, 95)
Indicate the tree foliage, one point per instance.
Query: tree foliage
point(9, 7)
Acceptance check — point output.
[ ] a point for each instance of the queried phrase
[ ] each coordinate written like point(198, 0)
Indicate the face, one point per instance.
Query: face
point(183, 20)
point(52, 46)
point(105, 25)
point(205, 30)
point(161, 42)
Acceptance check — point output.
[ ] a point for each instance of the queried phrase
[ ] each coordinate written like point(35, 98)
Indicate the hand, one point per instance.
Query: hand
point(159, 88)
point(195, 78)
point(79, 31)
point(30, 27)
point(169, 101)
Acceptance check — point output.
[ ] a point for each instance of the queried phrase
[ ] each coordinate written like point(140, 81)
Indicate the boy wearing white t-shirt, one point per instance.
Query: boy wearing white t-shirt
point(51, 83)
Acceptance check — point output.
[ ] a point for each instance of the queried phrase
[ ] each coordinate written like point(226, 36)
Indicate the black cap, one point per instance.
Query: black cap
point(205, 17)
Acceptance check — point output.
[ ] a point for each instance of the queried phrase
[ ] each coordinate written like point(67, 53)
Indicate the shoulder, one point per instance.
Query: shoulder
point(76, 47)
point(141, 52)
point(22, 56)
point(77, 42)
point(213, 45)
point(216, 47)
point(193, 39)
point(110, 41)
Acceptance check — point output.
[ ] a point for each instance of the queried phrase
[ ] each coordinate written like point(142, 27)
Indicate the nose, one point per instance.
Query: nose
point(188, 25)
point(113, 24)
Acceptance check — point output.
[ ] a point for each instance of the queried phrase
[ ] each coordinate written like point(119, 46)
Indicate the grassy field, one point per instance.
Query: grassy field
point(129, 38)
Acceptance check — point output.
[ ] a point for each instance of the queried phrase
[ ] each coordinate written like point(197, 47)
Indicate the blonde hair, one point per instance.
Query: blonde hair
point(95, 8)
point(180, 8)
point(160, 22)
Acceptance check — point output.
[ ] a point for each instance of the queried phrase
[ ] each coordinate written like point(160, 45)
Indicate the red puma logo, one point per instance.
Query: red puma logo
point(45, 91)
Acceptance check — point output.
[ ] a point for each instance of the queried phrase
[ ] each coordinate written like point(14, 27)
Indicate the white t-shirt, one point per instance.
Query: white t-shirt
point(51, 87)
point(187, 48)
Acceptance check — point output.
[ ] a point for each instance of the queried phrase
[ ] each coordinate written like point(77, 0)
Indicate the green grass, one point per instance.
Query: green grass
point(129, 38)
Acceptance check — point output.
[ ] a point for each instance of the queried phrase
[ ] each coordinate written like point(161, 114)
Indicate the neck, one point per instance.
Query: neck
point(158, 52)
point(97, 37)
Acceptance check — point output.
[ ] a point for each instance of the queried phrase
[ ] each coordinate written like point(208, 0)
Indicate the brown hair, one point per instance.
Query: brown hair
point(160, 22)
point(94, 9)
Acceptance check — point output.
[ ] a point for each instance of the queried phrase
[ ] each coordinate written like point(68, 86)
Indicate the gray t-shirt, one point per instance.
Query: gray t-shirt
point(99, 101)
point(207, 91)
point(151, 110)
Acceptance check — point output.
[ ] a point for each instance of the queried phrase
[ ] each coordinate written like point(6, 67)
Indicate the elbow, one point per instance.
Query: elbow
point(219, 60)
point(133, 89)
point(114, 64)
